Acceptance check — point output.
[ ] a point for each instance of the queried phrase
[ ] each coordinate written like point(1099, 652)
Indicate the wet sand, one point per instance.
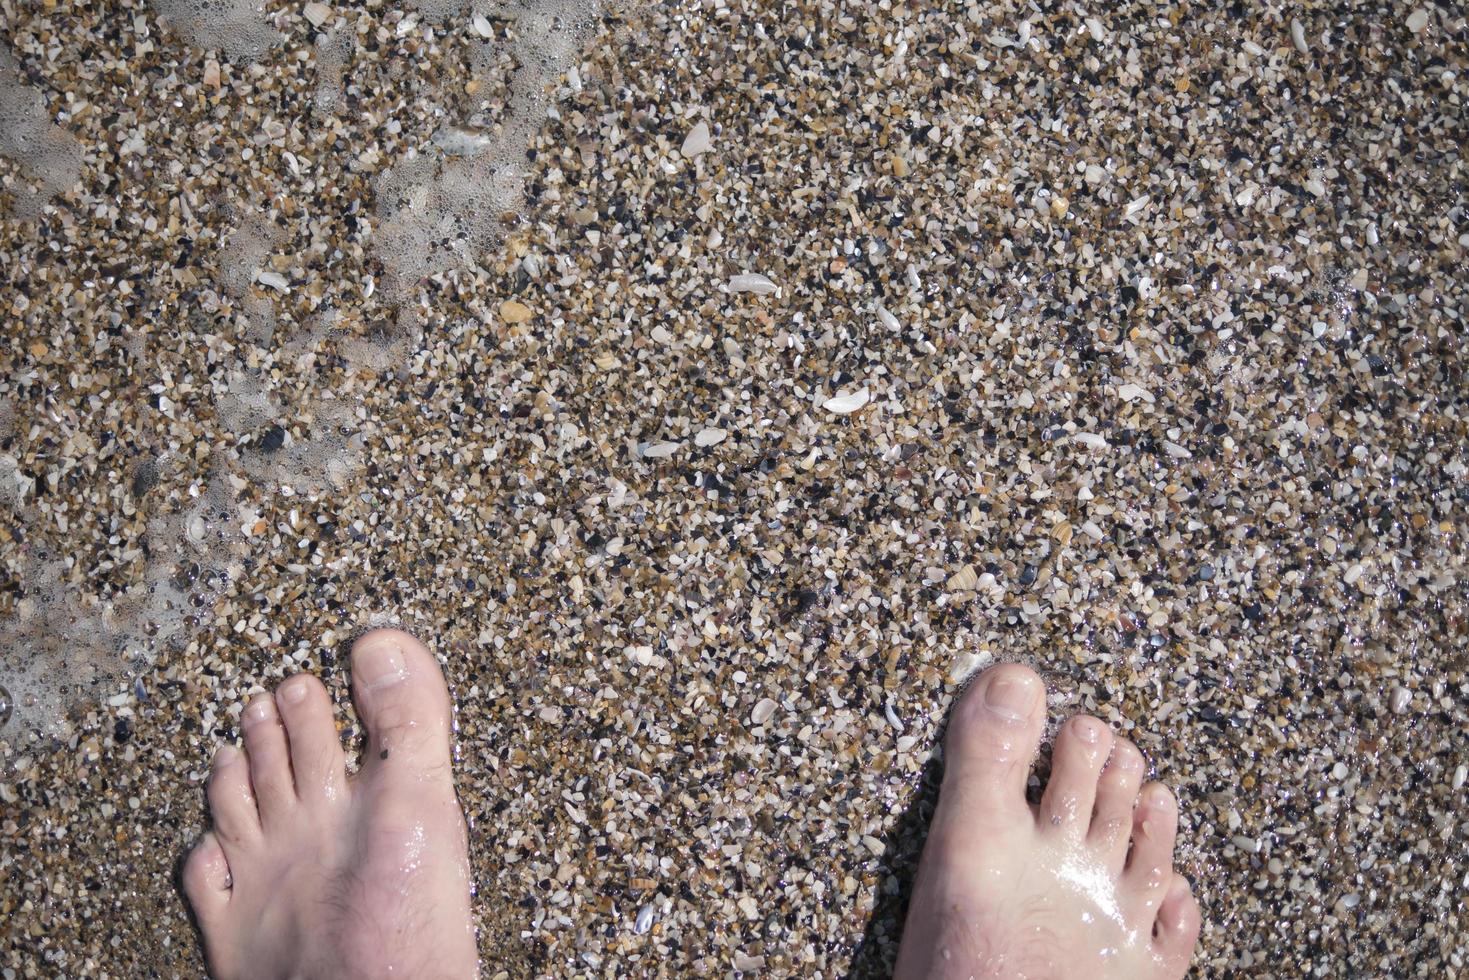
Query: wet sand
point(809, 359)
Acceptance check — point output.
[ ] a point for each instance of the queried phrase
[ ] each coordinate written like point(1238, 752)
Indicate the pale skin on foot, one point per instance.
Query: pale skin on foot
point(1081, 886)
point(310, 873)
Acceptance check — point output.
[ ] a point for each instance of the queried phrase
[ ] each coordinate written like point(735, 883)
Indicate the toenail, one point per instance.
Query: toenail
point(1087, 729)
point(380, 664)
point(258, 710)
point(293, 692)
point(1162, 801)
point(1012, 697)
point(226, 754)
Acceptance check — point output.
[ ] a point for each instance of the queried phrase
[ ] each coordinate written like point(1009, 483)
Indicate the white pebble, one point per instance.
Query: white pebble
point(892, 717)
point(1090, 440)
point(1298, 37)
point(1095, 174)
point(1091, 530)
point(752, 282)
point(1353, 573)
point(1399, 700)
point(1132, 392)
point(1252, 49)
point(1460, 775)
point(1417, 20)
point(1247, 844)
point(482, 26)
point(914, 283)
point(1315, 187)
point(1135, 205)
point(1095, 29)
point(1339, 771)
point(847, 404)
point(659, 450)
point(1175, 450)
point(763, 709)
point(644, 921)
point(273, 279)
point(697, 141)
point(709, 437)
point(888, 320)
point(1351, 901)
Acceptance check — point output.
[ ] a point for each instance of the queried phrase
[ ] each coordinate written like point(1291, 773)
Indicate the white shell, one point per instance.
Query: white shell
point(659, 450)
point(482, 26)
point(273, 279)
point(709, 437)
point(1090, 440)
point(697, 141)
point(317, 13)
point(847, 404)
point(1132, 392)
point(1298, 37)
point(644, 921)
point(888, 320)
point(752, 282)
point(1417, 20)
point(764, 708)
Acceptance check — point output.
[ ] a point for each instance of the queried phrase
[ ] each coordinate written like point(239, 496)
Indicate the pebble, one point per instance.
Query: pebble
point(1417, 20)
point(1400, 699)
point(1090, 440)
point(762, 711)
point(317, 13)
point(1298, 37)
point(752, 282)
point(697, 141)
point(848, 403)
point(709, 437)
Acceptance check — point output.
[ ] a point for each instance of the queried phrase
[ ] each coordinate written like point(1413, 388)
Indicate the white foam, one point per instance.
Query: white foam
point(443, 206)
point(237, 28)
point(45, 153)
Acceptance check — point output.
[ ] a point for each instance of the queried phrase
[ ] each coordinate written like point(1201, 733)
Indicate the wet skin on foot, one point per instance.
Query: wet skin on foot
point(1080, 886)
point(307, 872)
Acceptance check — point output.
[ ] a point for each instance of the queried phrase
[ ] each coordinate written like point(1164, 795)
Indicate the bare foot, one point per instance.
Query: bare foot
point(307, 873)
point(1082, 886)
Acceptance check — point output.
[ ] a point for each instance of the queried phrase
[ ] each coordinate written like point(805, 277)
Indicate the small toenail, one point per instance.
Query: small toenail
point(261, 709)
point(294, 692)
point(1087, 729)
point(1013, 697)
point(226, 754)
point(380, 664)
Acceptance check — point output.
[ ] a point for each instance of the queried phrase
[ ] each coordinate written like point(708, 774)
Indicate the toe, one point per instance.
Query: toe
point(207, 879)
point(1076, 762)
point(270, 761)
point(403, 702)
point(316, 752)
point(1150, 864)
point(1177, 927)
point(231, 800)
point(1116, 796)
point(993, 734)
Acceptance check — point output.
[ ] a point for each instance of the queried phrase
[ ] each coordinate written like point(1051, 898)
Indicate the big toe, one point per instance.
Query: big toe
point(403, 701)
point(992, 739)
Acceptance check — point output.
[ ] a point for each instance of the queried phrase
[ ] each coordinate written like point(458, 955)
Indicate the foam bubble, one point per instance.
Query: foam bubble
point(444, 206)
point(46, 154)
point(238, 28)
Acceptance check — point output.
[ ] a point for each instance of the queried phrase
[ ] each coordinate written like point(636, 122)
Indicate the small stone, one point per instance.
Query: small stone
point(1298, 37)
point(1399, 699)
point(762, 711)
point(709, 437)
point(752, 282)
point(1090, 440)
point(659, 450)
point(1417, 20)
point(513, 311)
point(1132, 392)
point(847, 404)
point(697, 141)
point(482, 26)
point(273, 279)
point(211, 73)
point(1059, 206)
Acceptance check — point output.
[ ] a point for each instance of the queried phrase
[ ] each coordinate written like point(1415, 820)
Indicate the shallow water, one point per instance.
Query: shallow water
point(1158, 314)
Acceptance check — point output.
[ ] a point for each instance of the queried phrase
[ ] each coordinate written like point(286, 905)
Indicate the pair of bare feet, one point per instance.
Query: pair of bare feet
point(310, 873)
